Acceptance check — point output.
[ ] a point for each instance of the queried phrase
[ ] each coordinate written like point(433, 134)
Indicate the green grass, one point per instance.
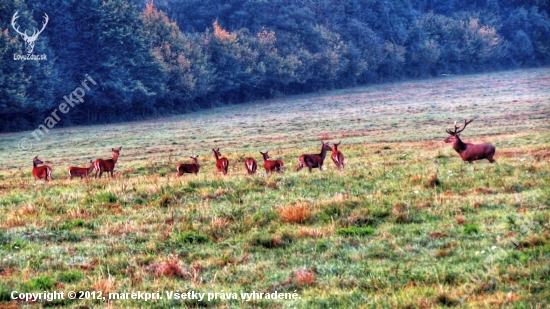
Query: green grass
point(406, 224)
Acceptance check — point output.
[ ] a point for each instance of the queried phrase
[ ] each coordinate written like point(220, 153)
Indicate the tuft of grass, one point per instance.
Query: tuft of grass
point(165, 200)
point(471, 229)
point(303, 277)
point(192, 237)
point(170, 268)
point(355, 231)
point(40, 283)
point(296, 213)
point(71, 276)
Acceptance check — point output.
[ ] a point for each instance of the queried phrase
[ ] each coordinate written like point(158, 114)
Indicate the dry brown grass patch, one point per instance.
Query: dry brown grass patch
point(105, 285)
point(314, 233)
point(14, 221)
point(170, 268)
point(304, 277)
point(296, 213)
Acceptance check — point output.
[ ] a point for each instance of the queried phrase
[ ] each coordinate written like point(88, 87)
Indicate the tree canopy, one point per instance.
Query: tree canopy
point(175, 56)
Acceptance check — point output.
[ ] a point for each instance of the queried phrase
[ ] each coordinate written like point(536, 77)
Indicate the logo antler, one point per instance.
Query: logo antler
point(29, 40)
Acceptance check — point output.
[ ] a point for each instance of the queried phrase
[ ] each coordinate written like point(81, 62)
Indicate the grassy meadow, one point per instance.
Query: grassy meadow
point(406, 224)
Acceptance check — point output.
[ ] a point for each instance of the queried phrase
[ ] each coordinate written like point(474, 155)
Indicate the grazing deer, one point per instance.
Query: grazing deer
point(314, 160)
point(189, 167)
point(337, 156)
point(107, 165)
point(469, 152)
point(272, 165)
point(250, 165)
point(81, 171)
point(222, 164)
point(41, 172)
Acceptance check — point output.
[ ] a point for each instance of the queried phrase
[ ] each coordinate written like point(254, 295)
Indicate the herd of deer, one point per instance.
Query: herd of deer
point(468, 152)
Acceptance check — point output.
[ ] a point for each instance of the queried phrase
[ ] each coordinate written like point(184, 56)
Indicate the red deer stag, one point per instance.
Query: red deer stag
point(469, 152)
point(107, 165)
point(314, 160)
point(250, 165)
point(41, 172)
point(222, 164)
point(189, 168)
point(337, 156)
point(81, 172)
point(272, 165)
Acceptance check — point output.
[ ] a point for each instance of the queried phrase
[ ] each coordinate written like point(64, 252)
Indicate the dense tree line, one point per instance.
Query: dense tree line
point(174, 56)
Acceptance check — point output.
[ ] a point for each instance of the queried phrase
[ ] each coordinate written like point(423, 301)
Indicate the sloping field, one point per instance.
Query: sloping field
point(406, 224)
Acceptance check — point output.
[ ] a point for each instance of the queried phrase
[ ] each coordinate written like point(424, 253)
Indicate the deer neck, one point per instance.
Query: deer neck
point(34, 164)
point(115, 158)
point(323, 153)
point(458, 145)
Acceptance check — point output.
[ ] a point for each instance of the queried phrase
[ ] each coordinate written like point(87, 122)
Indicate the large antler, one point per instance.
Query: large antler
point(35, 34)
point(13, 24)
point(456, 131)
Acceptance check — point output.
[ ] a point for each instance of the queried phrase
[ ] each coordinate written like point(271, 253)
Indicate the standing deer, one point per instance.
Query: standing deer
point(189, 167)
point(314, 160)
point(81, 171)
point(107, 165)
point(272, 165)
point(250, 165)
point(337, 156)
point(41, 172)
point(222, 164)
point(469, 152)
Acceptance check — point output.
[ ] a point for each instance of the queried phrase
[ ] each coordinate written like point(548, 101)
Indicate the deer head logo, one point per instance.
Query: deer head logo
point(29, 40)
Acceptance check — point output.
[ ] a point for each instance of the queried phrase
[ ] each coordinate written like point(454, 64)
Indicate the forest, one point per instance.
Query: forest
point(155, 58)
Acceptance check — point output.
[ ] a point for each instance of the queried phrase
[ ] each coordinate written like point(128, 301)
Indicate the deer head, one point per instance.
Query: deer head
point(265, 155)
point(326, 146)
point(37, 161)
point(29, 40)
point(454, 135)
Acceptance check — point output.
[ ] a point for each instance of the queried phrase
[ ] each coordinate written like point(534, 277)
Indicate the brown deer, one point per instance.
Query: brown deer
point(469, 152)
point(189, 168)
point(250, 165)
point(337, 156)
point(222, 164)
point(81, 172)
point(272, 165)
point(107, 165)
point(41, 172)
point(314, 160)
